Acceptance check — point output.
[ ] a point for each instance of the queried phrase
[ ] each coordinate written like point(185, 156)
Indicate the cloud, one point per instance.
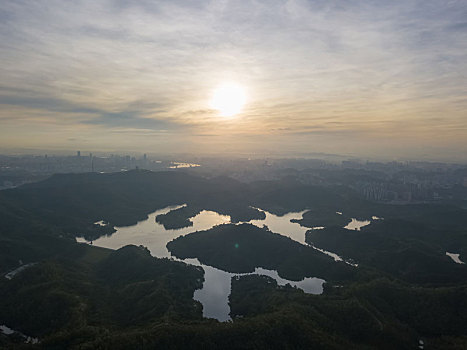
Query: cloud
point(50, 104)
point(326, 66)
point(132, 120)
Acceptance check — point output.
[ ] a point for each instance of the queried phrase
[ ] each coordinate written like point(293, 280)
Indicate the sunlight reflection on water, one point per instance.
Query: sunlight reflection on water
point(217, 285)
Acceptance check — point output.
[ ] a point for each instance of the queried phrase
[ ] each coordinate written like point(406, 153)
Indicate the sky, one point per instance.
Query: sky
point(363, 78)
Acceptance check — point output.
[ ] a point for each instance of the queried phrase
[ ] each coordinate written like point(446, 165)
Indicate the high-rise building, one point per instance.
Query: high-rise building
point(78, 153)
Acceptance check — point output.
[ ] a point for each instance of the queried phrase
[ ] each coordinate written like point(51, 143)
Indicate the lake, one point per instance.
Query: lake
point(217, 285)
point(284, 226)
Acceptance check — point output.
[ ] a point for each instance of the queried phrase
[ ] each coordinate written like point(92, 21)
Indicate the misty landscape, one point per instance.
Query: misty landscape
point(287, 174)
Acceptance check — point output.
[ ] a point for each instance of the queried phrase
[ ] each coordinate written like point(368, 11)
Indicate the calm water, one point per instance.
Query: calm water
point(177, 165)
point(18, 270)
point(455, 258)
point(27, 339)
point(357, 224)
point(283, 225)
point(293, 230)
point(153, 235)
point(217, 285)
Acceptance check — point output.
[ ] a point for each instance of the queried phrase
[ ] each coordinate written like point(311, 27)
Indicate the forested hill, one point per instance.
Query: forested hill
point(75, 201)
point(67, 205)
point(79, 296)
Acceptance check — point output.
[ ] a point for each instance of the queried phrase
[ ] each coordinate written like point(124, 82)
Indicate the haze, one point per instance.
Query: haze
point(363, 78)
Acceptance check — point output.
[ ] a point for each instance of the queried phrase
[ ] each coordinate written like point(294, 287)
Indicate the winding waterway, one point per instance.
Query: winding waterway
point(217, 284)
point(284, 226)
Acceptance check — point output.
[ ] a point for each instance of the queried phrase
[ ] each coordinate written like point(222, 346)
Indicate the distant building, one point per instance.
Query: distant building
point(78, 153)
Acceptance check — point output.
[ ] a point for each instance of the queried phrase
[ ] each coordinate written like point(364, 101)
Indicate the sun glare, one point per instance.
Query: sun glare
point(228, 99)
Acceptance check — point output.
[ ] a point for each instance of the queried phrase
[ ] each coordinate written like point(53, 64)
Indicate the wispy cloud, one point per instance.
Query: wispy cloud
point(353, 67)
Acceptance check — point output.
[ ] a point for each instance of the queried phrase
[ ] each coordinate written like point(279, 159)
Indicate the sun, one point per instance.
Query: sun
point(228, 99)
